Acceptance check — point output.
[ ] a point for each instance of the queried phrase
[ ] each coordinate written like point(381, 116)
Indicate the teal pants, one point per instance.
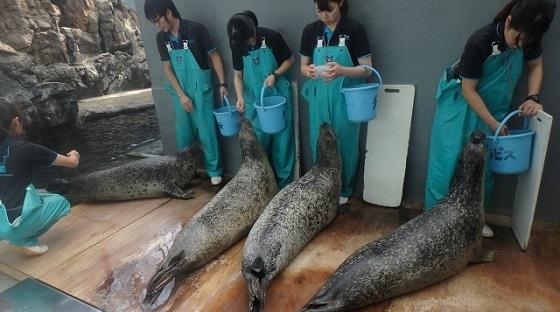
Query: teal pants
point(39, 214)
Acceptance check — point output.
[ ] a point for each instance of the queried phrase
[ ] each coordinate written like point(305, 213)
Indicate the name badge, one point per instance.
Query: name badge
point(319, 42)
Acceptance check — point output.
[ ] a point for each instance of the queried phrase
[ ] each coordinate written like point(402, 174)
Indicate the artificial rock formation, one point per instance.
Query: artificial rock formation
point(54, 52)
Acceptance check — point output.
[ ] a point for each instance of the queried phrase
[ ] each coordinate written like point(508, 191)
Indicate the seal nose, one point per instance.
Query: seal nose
point(478, 137)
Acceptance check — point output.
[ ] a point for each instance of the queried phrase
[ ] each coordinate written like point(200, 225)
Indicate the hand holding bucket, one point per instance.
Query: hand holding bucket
point(511, 154)
point(361, 100)
point(227, 118)
point(271, 111)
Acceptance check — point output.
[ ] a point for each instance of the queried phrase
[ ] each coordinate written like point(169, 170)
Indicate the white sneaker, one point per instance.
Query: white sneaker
point(36, 250)
point(487, 231)
point(342, 200)
point(216, 180)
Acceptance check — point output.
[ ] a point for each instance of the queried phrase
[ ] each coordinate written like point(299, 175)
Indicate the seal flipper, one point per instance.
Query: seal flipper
point(327, 306)
point(165, 274)
point(173, 190)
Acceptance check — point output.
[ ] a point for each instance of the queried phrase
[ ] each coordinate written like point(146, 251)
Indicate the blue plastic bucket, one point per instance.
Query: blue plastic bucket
point(361, 100)
point(511, 154)
point(271, 110)
point(227, 118)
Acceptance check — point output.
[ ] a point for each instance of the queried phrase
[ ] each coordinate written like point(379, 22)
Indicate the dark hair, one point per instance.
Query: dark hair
point(530, 17)
point(240, 28)
point(323, 5)
point(7, 113)
point(154, 9)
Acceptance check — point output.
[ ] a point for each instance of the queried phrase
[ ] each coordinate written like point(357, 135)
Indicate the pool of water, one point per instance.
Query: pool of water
point(102, 144)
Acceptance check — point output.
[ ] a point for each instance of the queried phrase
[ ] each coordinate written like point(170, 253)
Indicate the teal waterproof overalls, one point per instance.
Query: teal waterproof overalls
point(197, 85)
point(454, 120)
point(280, 147)
point(327, 104)
point(40, 212)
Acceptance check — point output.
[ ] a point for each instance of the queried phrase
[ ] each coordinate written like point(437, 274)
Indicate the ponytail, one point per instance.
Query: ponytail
point(7, 114)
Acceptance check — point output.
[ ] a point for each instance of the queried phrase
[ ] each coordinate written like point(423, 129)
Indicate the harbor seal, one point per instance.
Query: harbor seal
point(151, 177)
point(429, 248)
point(224, 220)
point(297, 213)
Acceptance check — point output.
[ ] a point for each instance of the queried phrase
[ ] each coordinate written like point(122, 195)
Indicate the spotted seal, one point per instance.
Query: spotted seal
point(150, 177)
point(224, 220)
point(429, 248)
point(296, 214)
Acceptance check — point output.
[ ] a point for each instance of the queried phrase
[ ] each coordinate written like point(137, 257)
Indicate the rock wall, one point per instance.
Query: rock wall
point(54, 52)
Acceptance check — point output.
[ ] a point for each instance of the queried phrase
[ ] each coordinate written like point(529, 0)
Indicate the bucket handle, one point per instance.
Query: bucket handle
point(262, 95)
point(373, 71)
point(228, 105)
point(508, 117)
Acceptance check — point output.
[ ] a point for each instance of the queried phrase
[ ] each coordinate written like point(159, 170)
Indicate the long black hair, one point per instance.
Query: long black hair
point(154, 9)
point(323, 5)
point(7, 113)
point(532, 18)
point(240, 28)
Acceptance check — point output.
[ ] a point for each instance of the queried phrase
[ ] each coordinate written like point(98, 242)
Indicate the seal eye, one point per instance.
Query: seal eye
point(477, 137)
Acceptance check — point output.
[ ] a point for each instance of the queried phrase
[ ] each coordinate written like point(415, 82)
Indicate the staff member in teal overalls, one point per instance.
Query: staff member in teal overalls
point(25, 214)
point(261, 56)
point(476, 92)
point(184, 47)
point(341, 44)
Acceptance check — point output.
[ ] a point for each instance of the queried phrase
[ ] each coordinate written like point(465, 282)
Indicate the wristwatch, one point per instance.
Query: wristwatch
point(275, 74)
point(223, 85)
point(533, 97)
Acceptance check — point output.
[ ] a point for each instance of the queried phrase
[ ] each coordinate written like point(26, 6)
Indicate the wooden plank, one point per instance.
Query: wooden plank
point(116, 269)
point(529, 182)
point(387, 146)
point(113, 274)
point(13, 273)
point(86, 225)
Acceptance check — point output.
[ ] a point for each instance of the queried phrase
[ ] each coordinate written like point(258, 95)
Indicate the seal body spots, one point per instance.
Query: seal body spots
point(432, 247)
point(299, 211)
point(145, 178)
point(224, 220)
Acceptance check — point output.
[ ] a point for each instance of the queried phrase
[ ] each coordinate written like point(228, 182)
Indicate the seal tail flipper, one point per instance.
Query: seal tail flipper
point(162, 277)
point(324, 301)
point(254, 275)
point(188, 152)
point(156, 284)
point(329, 306)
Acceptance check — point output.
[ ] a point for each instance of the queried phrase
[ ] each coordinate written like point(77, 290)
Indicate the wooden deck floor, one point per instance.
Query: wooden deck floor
point(105, 253)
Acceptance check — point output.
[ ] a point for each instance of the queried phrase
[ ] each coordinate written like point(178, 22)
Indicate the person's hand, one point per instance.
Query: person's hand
point(223, 91)
point(530, 108)
point(270, 80)
point(186, 103)
point(494, 127)
point(75, 157)
point(310, 72)
point(333, 71)
point(240, 105)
